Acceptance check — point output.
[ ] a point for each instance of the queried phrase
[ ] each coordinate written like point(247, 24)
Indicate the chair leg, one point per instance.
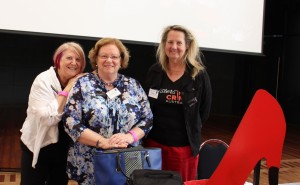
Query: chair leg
point(273, 176)
point(256, 174)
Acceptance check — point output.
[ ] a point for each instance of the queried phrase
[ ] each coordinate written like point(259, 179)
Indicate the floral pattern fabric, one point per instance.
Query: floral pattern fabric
point(89, 106)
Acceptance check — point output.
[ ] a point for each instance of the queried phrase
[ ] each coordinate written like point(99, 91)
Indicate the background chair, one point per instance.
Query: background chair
point(210, 154)
point(259, 135)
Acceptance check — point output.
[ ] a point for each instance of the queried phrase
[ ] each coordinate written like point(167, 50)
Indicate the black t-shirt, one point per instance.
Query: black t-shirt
point(168, 123)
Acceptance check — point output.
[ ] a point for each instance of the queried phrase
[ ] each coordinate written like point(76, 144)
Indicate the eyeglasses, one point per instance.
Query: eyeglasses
point(105, 57)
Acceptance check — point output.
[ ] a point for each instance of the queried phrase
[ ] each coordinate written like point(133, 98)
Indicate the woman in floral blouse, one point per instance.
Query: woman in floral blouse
point(105, 110)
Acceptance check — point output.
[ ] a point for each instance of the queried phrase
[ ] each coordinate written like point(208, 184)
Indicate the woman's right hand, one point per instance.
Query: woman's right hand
point(72, 81)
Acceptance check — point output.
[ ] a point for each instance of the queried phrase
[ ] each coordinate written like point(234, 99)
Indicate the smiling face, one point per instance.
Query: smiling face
point(70, 65)
point(175, 45)
point(108, 61)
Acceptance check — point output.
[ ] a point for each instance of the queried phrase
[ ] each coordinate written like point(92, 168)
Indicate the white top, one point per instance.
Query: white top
point(40, 127)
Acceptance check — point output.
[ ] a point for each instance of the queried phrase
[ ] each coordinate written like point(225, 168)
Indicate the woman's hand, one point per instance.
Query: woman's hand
point(107, 144)
point(73, 80)
point(121, 139)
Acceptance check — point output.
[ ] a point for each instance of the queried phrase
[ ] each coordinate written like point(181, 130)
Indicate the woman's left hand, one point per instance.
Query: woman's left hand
point(121, 139)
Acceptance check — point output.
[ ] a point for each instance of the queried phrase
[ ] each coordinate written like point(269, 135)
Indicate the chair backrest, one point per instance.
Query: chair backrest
point(210, 154)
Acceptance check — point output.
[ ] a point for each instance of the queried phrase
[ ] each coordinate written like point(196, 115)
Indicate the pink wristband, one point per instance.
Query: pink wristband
point(135, 138)
point(63, 93)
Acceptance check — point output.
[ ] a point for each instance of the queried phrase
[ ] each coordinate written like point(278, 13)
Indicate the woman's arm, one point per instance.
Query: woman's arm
point(62, 98)
point(206, 97)
point(89, 137)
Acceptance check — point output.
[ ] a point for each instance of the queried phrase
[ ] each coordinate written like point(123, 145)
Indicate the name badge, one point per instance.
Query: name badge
point(113, 93)
point(153, 93)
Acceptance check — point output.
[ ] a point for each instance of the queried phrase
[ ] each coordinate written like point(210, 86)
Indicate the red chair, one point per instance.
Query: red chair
point(260, 135)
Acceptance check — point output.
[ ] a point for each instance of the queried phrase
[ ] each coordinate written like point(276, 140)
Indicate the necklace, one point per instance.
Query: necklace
point(106, 83)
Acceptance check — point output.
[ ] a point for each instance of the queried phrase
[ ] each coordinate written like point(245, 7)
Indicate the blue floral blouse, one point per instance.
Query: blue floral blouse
point(89, 106)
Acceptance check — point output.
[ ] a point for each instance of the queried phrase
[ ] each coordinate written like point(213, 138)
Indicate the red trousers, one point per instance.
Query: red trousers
point(178, 159)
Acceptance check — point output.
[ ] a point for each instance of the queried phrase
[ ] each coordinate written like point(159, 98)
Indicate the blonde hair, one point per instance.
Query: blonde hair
point(192, 55)
point(124, 53)
point(69, 45)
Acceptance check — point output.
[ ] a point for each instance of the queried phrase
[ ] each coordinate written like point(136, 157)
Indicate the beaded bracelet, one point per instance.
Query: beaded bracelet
point(135, 138)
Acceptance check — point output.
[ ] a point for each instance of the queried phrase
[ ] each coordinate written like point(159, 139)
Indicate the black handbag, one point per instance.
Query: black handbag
point(114, 167)
point(155, 177)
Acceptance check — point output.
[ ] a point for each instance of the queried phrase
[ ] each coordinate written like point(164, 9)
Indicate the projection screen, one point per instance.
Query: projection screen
point(226, 25)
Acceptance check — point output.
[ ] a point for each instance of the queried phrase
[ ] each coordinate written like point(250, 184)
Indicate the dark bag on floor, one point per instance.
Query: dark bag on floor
point(114, 167)
point(155, 177)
